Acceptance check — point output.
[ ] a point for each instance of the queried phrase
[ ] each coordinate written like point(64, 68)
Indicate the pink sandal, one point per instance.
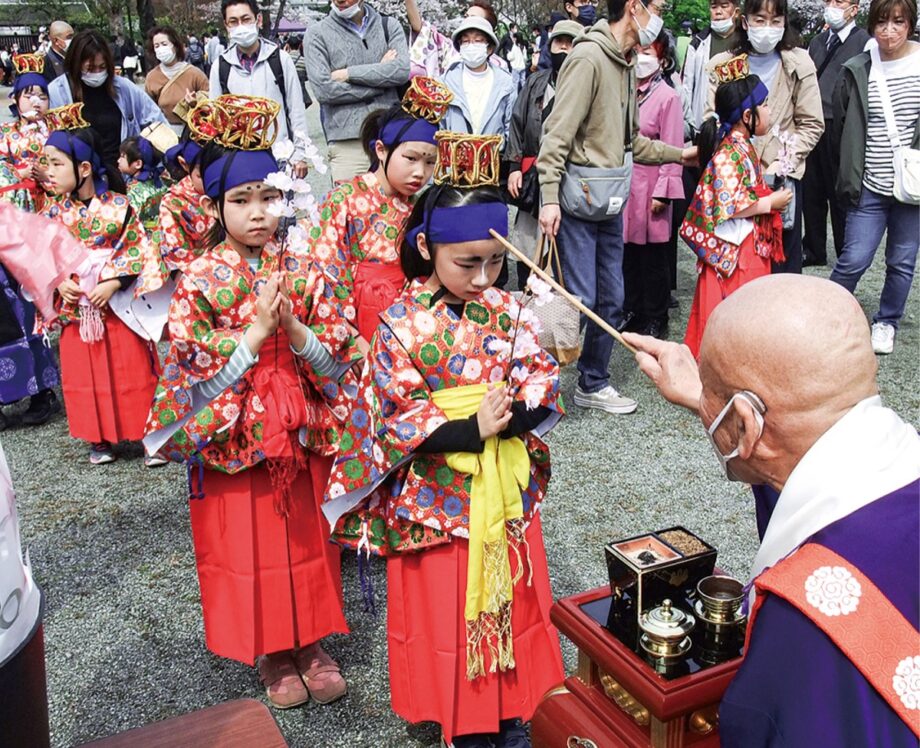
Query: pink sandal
point(321, 674)
point(282, 682)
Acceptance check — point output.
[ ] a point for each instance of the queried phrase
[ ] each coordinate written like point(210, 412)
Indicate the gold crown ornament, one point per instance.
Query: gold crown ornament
point(466, 160)
point(245, 123)
point(28, 63)
point(427, 98)
point(732, 70)
point(67, 117)
point(161, 136)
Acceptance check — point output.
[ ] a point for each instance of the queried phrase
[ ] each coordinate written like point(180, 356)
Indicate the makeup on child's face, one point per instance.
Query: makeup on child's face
point(32, 103)
point(197, 180)
point(466, 269)
point(763, 120)
point(59, 172)
point(246, 216)
point(410, 166)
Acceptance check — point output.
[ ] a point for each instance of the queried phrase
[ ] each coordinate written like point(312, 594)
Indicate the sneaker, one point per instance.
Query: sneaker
point(41, 407)
point(156, 460)
point(882, 338)
point(101, 454)
point(607, 399)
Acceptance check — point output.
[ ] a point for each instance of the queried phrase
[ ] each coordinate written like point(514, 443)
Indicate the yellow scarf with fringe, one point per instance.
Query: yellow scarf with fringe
point(499, 474)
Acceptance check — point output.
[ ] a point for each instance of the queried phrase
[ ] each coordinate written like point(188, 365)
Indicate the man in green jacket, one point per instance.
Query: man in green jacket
point(595, 102)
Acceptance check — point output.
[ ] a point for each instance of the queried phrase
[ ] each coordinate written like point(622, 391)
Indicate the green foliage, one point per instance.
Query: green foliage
point(695, 11)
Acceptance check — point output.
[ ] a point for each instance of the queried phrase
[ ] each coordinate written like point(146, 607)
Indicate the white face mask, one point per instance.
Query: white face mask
point(835, 18)
point(165, 54)
point(244, 35)
point(347, 13)
point(723, 27)
point(649, 33)
point(757, 406)
point(765, 40)
point(474, 54)
point(94, 80)
point(646, 65)
point(67, 44)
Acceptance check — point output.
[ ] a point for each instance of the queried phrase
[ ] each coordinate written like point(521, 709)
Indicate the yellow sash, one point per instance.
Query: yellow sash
point(499, 474)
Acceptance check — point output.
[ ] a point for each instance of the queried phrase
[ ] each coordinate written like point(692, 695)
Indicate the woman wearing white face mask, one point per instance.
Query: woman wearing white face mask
point(115, 108)
point(795, 105)
point(483, 94)
point(173, 79)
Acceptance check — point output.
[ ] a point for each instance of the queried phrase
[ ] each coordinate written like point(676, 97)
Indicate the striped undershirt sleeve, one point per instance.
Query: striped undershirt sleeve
point(315, 354)
point(239, 363)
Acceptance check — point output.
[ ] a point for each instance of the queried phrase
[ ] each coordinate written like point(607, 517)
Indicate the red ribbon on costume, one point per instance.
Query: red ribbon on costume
point(26, 184)
point(277, 383)
point(377, 285)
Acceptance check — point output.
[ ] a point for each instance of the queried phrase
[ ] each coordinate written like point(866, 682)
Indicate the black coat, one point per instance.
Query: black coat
point(527, 120)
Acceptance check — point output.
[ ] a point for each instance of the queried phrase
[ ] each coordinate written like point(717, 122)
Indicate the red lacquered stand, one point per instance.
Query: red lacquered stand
point(617, 699)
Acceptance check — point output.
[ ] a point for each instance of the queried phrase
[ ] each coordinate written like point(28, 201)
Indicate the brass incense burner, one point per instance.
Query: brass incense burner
point(666, 631)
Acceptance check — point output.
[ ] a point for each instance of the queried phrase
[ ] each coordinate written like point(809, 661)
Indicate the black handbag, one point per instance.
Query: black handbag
point(528, 198)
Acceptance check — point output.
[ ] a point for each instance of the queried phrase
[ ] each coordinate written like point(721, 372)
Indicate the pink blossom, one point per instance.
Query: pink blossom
point(541, 290)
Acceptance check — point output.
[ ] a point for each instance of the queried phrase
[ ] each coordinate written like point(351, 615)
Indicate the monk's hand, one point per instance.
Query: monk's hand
point(103, 291)
point(494, 412)
point(69, 291)
point(671, 367)
point(658, 206)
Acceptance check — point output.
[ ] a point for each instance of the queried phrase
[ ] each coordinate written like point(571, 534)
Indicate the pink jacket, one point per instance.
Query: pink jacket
point(660, 118)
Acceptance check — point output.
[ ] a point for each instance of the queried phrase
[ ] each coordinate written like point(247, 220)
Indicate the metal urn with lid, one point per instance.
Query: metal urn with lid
point(665, 631)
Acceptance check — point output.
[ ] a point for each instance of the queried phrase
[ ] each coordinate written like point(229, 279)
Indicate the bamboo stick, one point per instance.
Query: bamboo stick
point(612, 331)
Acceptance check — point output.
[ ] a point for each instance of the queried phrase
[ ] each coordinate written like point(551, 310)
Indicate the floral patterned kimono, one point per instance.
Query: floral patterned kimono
point(183, 225)
point(108, 372)
point(257, 453)
point(21, 142)
point(145, 198)
point(730, 251)
point(357, 243)
point(408, 499)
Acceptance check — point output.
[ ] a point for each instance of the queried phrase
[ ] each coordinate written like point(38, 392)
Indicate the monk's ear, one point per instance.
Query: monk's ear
point(750, 430)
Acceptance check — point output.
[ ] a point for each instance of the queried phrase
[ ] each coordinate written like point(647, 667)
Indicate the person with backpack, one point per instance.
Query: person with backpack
point(253, 66)
point(194, 51)
point(357, 60)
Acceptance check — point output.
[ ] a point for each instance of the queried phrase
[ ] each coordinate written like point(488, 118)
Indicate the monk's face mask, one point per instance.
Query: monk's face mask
point(758, 409)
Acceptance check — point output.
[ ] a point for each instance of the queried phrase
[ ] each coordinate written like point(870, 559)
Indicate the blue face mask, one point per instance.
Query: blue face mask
point(587, 15)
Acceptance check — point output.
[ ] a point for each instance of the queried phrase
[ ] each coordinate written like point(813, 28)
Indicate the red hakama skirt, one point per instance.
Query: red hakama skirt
point(268, 583)
point(426, 635)
point(108, 385)
point(711, 288)
point(376, 287)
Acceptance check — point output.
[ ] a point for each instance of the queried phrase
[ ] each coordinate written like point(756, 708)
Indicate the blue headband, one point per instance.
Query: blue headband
point(189, 150)
point(407, 131)
point(150, 171)
point(235, 168)
point(464, 223)
point(757, 97)
point(27, 80)
point(80, 152)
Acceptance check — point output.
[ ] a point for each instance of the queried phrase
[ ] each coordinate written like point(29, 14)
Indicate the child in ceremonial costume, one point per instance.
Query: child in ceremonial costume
point(109, 372)
point(140, 161)
point(251, 400)
point(733, 223)
point(361, 221)
point(443, 469)
point(27, 366)
point(183, 225)
point(21, 141)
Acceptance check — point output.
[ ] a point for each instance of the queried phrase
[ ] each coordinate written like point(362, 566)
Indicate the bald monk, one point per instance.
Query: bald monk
point(786, 389)
point(59, 33)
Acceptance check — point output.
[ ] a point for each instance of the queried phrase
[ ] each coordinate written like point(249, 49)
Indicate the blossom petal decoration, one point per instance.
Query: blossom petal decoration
point(833, 590)
point(279, 180)
point(280, 209)
point(541, 290)
point(906, 682)
point(283, 149)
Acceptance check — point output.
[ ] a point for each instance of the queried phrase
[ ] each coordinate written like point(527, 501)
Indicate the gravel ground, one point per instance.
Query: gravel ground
point(111, 548)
